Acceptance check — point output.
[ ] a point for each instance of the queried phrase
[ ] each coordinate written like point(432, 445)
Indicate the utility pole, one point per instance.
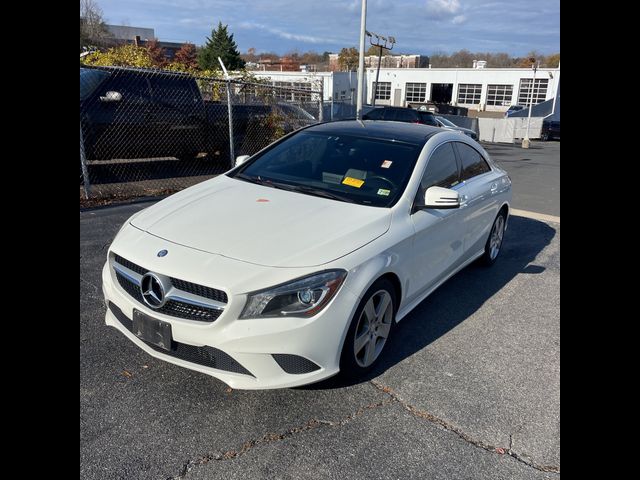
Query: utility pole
point(363, 29)
point(382, 42)
point(525, 141)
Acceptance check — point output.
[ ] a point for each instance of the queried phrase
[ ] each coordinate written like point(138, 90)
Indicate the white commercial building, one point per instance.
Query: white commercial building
point(490, 89)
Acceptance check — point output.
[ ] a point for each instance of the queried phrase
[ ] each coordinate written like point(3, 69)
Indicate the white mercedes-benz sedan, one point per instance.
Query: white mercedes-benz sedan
point(296, 264)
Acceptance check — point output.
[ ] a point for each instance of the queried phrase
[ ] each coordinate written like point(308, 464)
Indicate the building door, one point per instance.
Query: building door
point(397, 97)
point(441, 92)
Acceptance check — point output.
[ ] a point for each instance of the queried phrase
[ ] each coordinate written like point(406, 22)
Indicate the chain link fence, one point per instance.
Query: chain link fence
point(151, 132)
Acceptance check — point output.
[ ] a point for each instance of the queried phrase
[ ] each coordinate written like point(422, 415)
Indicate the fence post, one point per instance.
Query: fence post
point(86, 185)
point(232, 153)
point(321, 102)
point(331, 118)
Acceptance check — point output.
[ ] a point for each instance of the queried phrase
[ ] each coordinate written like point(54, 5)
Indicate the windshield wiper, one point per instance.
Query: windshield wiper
point(295, 188)
point(321, 193)
point(247, 178)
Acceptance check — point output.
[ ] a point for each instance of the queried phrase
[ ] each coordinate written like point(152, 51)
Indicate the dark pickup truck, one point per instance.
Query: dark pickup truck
point(129, 113)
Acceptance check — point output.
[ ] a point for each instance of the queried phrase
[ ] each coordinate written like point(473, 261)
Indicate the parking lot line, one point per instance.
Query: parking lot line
point(535, 216)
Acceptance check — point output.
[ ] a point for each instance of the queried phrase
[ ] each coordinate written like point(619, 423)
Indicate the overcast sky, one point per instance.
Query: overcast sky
point(419, 26)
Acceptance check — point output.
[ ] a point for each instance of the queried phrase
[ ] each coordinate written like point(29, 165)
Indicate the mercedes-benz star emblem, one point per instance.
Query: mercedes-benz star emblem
point(162, 253)
point(152, 290)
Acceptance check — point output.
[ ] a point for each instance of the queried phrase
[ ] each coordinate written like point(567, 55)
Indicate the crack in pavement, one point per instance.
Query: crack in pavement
point(416, 412)
point(274, 437)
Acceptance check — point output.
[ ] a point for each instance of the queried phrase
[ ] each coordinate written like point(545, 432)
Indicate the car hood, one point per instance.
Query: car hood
point(263, 225)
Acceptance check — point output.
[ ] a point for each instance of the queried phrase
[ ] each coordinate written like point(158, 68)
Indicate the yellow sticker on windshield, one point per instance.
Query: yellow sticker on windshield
point(353, 182)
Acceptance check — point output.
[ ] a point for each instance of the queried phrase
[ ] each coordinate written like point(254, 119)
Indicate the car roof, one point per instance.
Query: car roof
point(415, 133)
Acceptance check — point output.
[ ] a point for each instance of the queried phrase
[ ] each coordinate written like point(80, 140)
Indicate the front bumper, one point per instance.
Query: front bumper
point(251, 344)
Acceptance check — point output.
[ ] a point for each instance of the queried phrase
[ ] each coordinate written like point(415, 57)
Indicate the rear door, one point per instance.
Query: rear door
point(479, 188)
point(178, 115)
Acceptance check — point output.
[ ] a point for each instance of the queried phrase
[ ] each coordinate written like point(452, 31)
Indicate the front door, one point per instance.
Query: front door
point(438, 238)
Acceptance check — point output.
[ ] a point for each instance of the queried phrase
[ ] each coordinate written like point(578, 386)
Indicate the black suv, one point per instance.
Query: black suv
point(400, 114)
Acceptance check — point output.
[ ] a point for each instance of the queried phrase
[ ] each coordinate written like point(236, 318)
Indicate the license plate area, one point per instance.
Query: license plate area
point(152, 330)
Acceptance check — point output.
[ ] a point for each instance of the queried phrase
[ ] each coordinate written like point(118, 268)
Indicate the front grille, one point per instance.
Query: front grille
point(206, 356)
point(174, 308)
point(130, 265)
point(188, 311)
point(200, 290)
point(294, 364)
point(129, 287)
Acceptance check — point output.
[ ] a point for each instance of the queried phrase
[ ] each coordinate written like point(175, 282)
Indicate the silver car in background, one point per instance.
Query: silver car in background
point(449, 125)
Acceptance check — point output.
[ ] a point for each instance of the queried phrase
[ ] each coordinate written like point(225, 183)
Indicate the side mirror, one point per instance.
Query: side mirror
point(111, 97)
point(438, 197)
point(241, 159)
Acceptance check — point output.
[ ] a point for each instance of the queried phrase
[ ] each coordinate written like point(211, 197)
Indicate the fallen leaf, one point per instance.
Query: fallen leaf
point(127, 373)
point(500, 450)
point(229, 390)
point(145, 366)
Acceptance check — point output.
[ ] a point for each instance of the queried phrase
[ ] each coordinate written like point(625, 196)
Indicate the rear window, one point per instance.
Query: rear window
point(90, 79)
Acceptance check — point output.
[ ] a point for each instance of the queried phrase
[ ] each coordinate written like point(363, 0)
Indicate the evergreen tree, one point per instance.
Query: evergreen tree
point(222, 45)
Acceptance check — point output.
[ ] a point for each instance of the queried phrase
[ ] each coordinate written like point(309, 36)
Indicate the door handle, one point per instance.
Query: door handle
point(463, 200)
point(494, 187)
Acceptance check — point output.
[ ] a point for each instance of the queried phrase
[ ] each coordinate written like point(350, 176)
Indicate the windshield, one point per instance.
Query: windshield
point(448, 123)
point(347, 168)
point(89, 81)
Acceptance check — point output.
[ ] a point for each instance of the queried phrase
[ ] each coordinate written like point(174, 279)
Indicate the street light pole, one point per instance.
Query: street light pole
point(525, 141)
point(363, 29)
point(388, 44)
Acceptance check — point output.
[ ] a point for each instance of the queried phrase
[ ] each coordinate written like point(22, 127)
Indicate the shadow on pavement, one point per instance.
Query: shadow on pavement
point(459, 297)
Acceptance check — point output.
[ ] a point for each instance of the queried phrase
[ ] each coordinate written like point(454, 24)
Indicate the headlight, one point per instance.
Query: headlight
point(303, 297)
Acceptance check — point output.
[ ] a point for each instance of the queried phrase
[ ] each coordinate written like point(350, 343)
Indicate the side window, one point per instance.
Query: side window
point(375, 114)
point(388, 114)
point(472, 162)
point(133, 88)
point(172, 92)
point(428, 119)
point(406, 116)
point(442, 169)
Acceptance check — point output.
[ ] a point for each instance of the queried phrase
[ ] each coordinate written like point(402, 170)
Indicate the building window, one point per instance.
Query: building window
point(499, 95)
point(384, 90)
point(469, 93)
point(539, 91)
point(283, 93)
point(301, 96)
point(416, 92)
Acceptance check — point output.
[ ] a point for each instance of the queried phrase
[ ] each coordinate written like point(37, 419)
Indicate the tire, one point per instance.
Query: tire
point(494, 243)
point(354, 362)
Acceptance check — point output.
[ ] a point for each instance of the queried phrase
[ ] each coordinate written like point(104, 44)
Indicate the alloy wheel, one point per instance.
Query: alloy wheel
point(373, 328)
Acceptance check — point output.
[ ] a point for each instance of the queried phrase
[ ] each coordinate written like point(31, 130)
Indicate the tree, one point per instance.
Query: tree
point(156, 53)
point(220, 44)
point(373, 50)
point(122, 56)
point(348, 58)
point(552, 61)
point(531, 58)
point(187, 56)
point(93, 30)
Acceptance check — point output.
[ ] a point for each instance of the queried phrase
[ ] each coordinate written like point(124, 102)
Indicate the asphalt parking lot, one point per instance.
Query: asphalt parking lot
point(535, 173)
point(469, 388)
